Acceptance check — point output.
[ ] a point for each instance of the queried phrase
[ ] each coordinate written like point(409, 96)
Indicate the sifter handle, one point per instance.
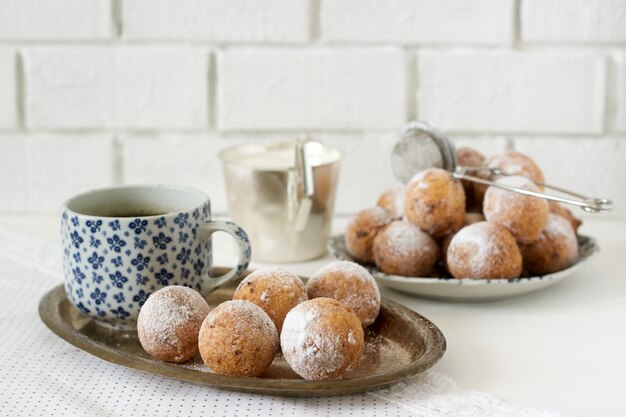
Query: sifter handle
point(588, 204)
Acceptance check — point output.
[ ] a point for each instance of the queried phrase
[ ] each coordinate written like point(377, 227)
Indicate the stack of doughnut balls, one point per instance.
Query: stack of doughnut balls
point(471, 230)
point(319, 327)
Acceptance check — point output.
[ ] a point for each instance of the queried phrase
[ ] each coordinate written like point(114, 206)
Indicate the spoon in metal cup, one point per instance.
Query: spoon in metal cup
point(421, 146)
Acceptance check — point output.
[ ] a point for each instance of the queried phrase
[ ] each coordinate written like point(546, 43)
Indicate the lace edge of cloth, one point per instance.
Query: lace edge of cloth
point(435, 395)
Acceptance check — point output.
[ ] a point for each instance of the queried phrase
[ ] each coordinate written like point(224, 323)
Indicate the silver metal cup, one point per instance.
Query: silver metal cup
point(283, 194)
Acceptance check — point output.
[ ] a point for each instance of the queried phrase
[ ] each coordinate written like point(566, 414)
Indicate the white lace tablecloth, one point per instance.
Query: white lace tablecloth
point(42, 375)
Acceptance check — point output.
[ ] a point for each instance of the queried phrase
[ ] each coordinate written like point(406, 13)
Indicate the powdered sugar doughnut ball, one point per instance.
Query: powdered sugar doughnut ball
point(512, 163)
point(554, 250)
point(435, 202)
point(516, 163)
point(401, 248)
point(392, 200)
point(238, 338)
point(275, 290)
point(169, 322)
point(470, 218)
point(559, 210)
point(350, 284)
point(524, 216)
point(362, 230)
point(484, 250)
point(469, 157)
point(322, 339)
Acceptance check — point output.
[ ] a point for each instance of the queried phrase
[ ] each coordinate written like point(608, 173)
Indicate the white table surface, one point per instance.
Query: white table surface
point(563, 348)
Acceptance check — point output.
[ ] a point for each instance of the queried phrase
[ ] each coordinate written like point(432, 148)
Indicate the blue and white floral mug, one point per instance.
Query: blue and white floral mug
point(122, 244)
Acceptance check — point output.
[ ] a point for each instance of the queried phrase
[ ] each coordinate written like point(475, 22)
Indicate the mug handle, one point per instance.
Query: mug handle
point(245, 251)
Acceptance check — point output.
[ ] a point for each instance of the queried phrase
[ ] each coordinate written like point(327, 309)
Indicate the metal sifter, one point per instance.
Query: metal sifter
point(421, 146)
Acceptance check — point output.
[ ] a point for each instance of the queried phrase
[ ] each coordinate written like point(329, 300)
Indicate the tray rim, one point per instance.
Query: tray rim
point(51, 317)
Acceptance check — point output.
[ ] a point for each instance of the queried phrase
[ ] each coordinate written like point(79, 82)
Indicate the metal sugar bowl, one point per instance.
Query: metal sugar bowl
point(283, 195)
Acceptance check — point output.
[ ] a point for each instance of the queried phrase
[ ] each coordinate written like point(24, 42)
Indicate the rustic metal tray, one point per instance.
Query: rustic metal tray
point(399, 345)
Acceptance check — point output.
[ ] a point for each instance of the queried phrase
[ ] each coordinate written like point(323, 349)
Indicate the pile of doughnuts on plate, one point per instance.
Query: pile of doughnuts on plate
point(319, 327)
point(471, 230)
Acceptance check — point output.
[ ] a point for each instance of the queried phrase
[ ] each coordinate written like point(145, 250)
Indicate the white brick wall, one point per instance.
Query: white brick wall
point(574, 21)
point(482, 91)
point(8, 89)
point(294, 89)
point(39, 172)
point(217, 20)
point(418, 21)
point(593, 166)
point(188, 160)
point(128, 87)
point(620, 92)
point(136, 91)
point(487, 145)
point(56, 19)
point(365, 169)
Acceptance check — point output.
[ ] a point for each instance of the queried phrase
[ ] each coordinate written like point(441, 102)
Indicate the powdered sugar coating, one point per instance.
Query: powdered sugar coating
point(392, 200)
point(555, 249)
point(350, 284)
point(238, 338)
point(362, 230)
point(345, 268)
point(559, 227)
point(435, 202)
point(559, 210)
point(322, 339)
point(407, 238)
point(469, 157)
point(512, 163)
point(169, 322)
point(516, 163)
point(484, 250)
point(470, 218)
point(280, 277)
point(524, 216)
point(275, 290)
point(401, 248)
point(243, 312)
point(351, 338)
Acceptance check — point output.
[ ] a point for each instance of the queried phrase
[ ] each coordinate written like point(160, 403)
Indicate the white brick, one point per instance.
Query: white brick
point(573, 20)
point(620, 90)
point(187, 160)
point(503, 91)
point(217, 20)
point(593, 167)
point(120, 87)
point(39, 172)
point(418, 21)
point(57, 19)
point(365, 169)
point(487, 145)
point(8, 93)
point(311, 88)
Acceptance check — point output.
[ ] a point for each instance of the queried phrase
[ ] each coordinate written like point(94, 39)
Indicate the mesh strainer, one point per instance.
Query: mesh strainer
point(421, 146)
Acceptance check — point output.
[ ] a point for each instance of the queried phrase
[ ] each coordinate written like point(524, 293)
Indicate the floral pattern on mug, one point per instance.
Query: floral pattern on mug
point(112, 266)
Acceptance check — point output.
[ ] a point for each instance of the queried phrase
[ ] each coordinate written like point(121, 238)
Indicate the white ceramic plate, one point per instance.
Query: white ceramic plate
point(468, 289)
